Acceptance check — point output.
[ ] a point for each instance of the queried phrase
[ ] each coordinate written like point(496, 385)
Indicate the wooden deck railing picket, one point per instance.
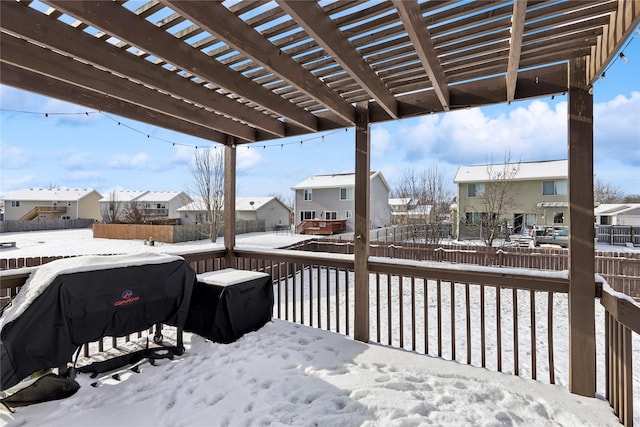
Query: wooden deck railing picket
point(505, 321)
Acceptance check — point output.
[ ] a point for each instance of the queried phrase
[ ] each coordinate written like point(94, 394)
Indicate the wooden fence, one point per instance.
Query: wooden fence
point(619, 234)
point(169, 233)
point(14, 226)
point(620, 269)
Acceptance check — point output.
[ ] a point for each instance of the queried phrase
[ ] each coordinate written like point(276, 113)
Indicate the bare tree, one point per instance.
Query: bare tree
point(497, 198)
point(207, 183)
point(111, 211)
point(436, 198)
point(604, 192)
point(132, 214)
point(430, 200)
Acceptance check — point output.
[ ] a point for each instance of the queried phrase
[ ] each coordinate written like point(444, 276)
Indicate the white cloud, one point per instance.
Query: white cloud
point(13, 157)
point(82, 176)
point(616, 129)
point(124, 161)
point(75, 160)
point(247, 158)
point(18, 183)
point(381, 140)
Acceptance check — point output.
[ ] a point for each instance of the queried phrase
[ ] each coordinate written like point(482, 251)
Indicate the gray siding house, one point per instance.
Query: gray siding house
point(331, 197)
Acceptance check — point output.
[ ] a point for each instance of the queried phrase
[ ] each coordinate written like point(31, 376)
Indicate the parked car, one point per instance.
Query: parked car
point(552, 236)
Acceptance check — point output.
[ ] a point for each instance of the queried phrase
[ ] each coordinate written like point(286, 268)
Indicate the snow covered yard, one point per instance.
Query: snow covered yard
point(290, 374)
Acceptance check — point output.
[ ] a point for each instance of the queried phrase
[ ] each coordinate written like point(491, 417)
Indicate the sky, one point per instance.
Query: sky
point(45, 142)
point(290, 374)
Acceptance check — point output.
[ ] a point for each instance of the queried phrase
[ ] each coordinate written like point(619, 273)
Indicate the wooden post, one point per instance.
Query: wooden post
point(230, 201)
point(361, 232)
point(582, 349)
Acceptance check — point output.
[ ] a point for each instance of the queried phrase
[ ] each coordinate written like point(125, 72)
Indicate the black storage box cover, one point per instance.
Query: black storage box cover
point(227, 304)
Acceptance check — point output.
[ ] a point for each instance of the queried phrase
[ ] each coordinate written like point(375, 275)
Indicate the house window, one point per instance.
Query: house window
point(530, 220)
point(558, 217)
point(15, 203)
point(160, 205)
point(348, 214)
point(475, 190)
point(475, 217)
point(346, 193)
point(307, 215)
point(331, 215)
point(307, 195)
point(554, 188)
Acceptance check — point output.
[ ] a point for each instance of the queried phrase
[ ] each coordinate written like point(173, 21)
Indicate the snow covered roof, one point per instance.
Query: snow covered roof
point(242, 204)
point(401, 201)
point(53, 195)
point(616, 208)
point(552, 169)
point(122, 195)
point(245, 203)
point(145, 196)
point(161, 196)
point(334, 181)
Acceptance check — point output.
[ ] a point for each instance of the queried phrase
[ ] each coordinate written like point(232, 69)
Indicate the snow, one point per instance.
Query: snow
point(43, 276)
point(291, 374)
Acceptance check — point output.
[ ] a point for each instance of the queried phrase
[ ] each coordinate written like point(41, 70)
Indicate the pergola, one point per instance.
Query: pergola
point(246, 71)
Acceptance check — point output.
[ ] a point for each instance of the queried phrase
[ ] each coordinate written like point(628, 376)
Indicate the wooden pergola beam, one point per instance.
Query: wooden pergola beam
point(24, 54)
point(46, 31)
point(419, 35)
point(622, 23)
point(582, 289)
point(229, 220)
point(112, 18)
point(217, 19)
point(20, 78)
point(317, 25)
point(362, 223)
point(517, 31)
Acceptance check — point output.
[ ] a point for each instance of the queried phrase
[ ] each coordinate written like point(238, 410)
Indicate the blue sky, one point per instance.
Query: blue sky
point(92, 151)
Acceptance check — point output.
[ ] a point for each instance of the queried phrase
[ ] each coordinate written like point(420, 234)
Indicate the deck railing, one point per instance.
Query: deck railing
point(622, 320)
point(506, 320)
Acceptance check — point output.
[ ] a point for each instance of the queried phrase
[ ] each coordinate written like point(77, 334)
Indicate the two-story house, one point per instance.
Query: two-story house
point(52, 204)
point(150, 205)
point(538, 193)
point(331, 198)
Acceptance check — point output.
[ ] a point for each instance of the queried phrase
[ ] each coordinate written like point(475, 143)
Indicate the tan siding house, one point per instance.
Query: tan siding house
point(539, 194)
point(52, 204)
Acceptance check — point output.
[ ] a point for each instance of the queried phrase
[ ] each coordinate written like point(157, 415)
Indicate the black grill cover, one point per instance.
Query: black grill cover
point(123, 295)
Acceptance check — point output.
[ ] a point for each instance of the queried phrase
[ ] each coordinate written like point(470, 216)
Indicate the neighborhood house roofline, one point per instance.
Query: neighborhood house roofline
point(335, 181)
point(143, 196)
point(616, 209)
point(527, 171)
point(242, 204)
point(50, 195)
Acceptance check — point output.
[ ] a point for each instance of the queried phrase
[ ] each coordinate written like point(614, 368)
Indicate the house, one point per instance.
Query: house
point(271, 210)
point(331, 197)
point(50, 204)
point(150, 205)
point(618, 214)
point(538, 194)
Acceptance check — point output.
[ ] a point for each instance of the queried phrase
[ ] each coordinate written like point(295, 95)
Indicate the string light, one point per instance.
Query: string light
point(173, 143)
point(623, 57)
